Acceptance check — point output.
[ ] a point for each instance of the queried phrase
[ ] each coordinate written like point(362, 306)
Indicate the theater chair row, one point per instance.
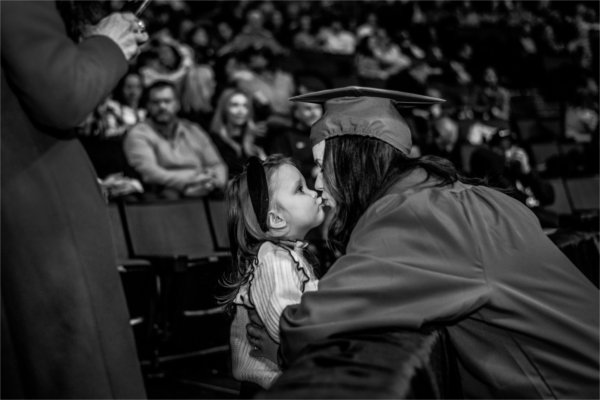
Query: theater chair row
point(171, 255)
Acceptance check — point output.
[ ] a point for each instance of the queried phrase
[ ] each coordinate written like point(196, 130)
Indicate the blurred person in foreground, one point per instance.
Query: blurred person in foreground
point(173, 156)
point(422, 248)
point(65, 325)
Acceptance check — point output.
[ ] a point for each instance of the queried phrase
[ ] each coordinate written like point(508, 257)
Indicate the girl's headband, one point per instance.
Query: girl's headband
point(258, 189)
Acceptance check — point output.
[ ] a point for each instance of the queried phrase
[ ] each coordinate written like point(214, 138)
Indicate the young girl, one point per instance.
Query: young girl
point(270, 212)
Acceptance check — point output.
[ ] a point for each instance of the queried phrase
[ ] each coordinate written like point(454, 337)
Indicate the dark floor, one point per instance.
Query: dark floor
point(193, 360)
point(200, 376)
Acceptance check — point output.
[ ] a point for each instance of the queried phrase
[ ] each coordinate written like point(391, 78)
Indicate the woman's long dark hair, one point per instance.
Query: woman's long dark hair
point(357, 170)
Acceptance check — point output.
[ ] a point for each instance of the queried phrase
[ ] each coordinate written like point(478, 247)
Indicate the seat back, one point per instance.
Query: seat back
point(561, 204)
point(465, 153)
point(169, 228)
point(217, 212)
point(118, 233)
point(584, 193)
point(542, 152)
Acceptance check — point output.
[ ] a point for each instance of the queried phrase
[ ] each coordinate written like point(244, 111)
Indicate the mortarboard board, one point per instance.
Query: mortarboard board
point(364, 111)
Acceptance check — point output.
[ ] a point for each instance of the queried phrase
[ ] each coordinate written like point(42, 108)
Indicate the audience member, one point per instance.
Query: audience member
point(505, 164)
point(199, 84)
point(124, 110)
point(378, 58)
point(336, 39)
point(369, 27)
point(253, 33)
point(65, 325)
point(269, 86)
point(581, 117)
point(103, 131)
point(305, 38)
point(173, 156)
point(444, 141)
point(234, 131)
point(491, 99)
point(165, 60)
point(293, 139)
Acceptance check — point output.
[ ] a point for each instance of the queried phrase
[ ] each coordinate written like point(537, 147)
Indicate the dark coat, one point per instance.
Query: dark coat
point(65, 328)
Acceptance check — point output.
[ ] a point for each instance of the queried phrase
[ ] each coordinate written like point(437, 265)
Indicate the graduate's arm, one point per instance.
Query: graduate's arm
point(399, 271)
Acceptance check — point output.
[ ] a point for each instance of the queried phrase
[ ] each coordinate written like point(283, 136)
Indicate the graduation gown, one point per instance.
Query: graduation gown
point(65, 325)
point(522, 318)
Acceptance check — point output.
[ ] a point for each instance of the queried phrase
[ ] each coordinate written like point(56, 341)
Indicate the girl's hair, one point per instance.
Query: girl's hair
point(245, 234)
point(357, 170)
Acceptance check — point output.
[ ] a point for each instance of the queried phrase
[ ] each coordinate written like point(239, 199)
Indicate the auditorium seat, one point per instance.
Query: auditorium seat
point(171, 230)
point(542, 152)
point(465, 153)
point(217, 213)
point(561, 204)
point(175, 236)
point(584, 193)
point(139, 284)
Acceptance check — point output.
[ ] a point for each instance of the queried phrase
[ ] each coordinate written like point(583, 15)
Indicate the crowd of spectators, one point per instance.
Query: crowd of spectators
point(524, 67)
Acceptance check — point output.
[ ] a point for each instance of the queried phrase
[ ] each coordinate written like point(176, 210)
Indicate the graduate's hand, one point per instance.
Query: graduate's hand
point(263, 345)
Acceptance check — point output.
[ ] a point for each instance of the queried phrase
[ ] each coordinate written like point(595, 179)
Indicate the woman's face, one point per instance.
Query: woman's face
point(237, 109)
point(318, 151)
point(200, 38)
point(308, 113)
point(132, 89)
point(166, 55)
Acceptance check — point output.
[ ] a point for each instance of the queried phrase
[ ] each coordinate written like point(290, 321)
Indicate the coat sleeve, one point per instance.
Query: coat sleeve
point(276, 285)
point(405, 266)
point(58, 81)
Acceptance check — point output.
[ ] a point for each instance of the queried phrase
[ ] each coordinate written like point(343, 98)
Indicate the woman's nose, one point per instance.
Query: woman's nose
point(319, 182)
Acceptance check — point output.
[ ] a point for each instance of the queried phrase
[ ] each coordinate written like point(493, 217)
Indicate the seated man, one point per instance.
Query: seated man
point(172, 153)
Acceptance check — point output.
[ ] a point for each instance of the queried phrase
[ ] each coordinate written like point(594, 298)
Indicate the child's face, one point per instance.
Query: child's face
point(299, 206)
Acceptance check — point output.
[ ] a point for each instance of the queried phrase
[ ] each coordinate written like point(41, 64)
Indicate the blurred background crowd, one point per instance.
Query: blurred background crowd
point(520, 79)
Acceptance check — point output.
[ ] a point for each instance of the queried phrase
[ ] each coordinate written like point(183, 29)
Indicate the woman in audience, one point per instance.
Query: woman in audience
point(124, 110)
point(234, 131)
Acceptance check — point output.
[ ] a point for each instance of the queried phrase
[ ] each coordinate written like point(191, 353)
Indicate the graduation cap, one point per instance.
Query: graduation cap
point(364, 111)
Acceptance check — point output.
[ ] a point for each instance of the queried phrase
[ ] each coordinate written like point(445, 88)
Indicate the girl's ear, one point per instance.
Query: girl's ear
point(276, 223)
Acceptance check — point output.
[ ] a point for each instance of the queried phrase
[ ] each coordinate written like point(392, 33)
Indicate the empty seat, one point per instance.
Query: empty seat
point(561, 204)
point(542, 152)
point(139, 285)
point(171, 229)
point(175, 235)
point(584, 193)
